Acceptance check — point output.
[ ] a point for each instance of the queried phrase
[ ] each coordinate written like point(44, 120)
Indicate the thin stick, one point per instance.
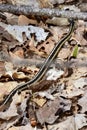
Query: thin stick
point(27, 10)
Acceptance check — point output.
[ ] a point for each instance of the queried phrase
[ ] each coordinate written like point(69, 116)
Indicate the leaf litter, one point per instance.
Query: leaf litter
point(59, 100)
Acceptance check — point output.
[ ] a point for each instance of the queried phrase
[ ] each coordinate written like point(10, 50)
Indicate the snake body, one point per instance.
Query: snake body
point(44, 67)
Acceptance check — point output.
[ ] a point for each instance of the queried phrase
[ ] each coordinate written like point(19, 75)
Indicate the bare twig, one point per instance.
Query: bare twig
point(27, 10)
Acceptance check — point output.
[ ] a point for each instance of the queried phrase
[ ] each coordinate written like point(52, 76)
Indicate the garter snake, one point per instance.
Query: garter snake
point(44, 67)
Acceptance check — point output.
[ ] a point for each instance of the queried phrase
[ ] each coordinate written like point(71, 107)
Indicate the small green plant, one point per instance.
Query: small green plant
point(75, 51)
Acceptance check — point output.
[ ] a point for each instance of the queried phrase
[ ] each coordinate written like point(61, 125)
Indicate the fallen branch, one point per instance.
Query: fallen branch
point(27, 10)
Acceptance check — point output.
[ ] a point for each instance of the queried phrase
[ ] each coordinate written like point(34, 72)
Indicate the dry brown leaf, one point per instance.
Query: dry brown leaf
point(39, 101)
point(5, 88)
point(23, 20)
point(33, 3)
point(19, 76)
point(26, 127)
point(6, 125)
point(2, 68)
point(12, 115)
point(45, 3)
point(64, 53)
point(71, 123)
point(19, 53)
point(57, 21)
point(51, 110)
point(8, 66)
point(18, 61)
point(34, 50)
point(13, 128)
point(46, 94)
point(45, 46)
point(21, 62)
point(57, 33)
point(47, 112)
point(12, 110)
point(68, 124)
point(71, 92)
point(79, 33)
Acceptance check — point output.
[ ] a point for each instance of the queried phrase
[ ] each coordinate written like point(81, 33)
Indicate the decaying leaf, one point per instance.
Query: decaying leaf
point(23, 20)
point(7, 125)
point(16, 31)
point(11, 112)
point(80, 32)
point(70, 93)
point(5, 88)
point(33, 3)
point(46, 94)
point(80, 120)
point(26, 127)
point(71, 123)
point(2, 68)
point(83, 102)
point(48, 112)
point(64, 53)
point(57, 21)
point(80, 83)
point(54, 74)
point(19, 75)
point(39, 101)
point(12, 115)
point(60, 101)
point(68, 124)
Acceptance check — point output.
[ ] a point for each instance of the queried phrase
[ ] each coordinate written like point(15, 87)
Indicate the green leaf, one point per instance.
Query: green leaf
point(75, 51)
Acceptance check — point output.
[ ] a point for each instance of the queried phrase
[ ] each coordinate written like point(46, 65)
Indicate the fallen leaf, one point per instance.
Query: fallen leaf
point(80, 120)
point(79, 33)
point(48, 112)
point(19, 76)
point(46, 94)
point(33, 3)
point(57, 21)
point(7, 125)
point(5, 88)
point(70, 93)
point(19, 53)
point(16, 31)
point(11, 112)
point(64, 53)
point(26, 127)
point(71, 123)
point(83, 102)
point(54, 74)
point(2, 68)
point(68, 124)
point(45, 46)
point(39, 101)
point(23, 20)
point(80, 83)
